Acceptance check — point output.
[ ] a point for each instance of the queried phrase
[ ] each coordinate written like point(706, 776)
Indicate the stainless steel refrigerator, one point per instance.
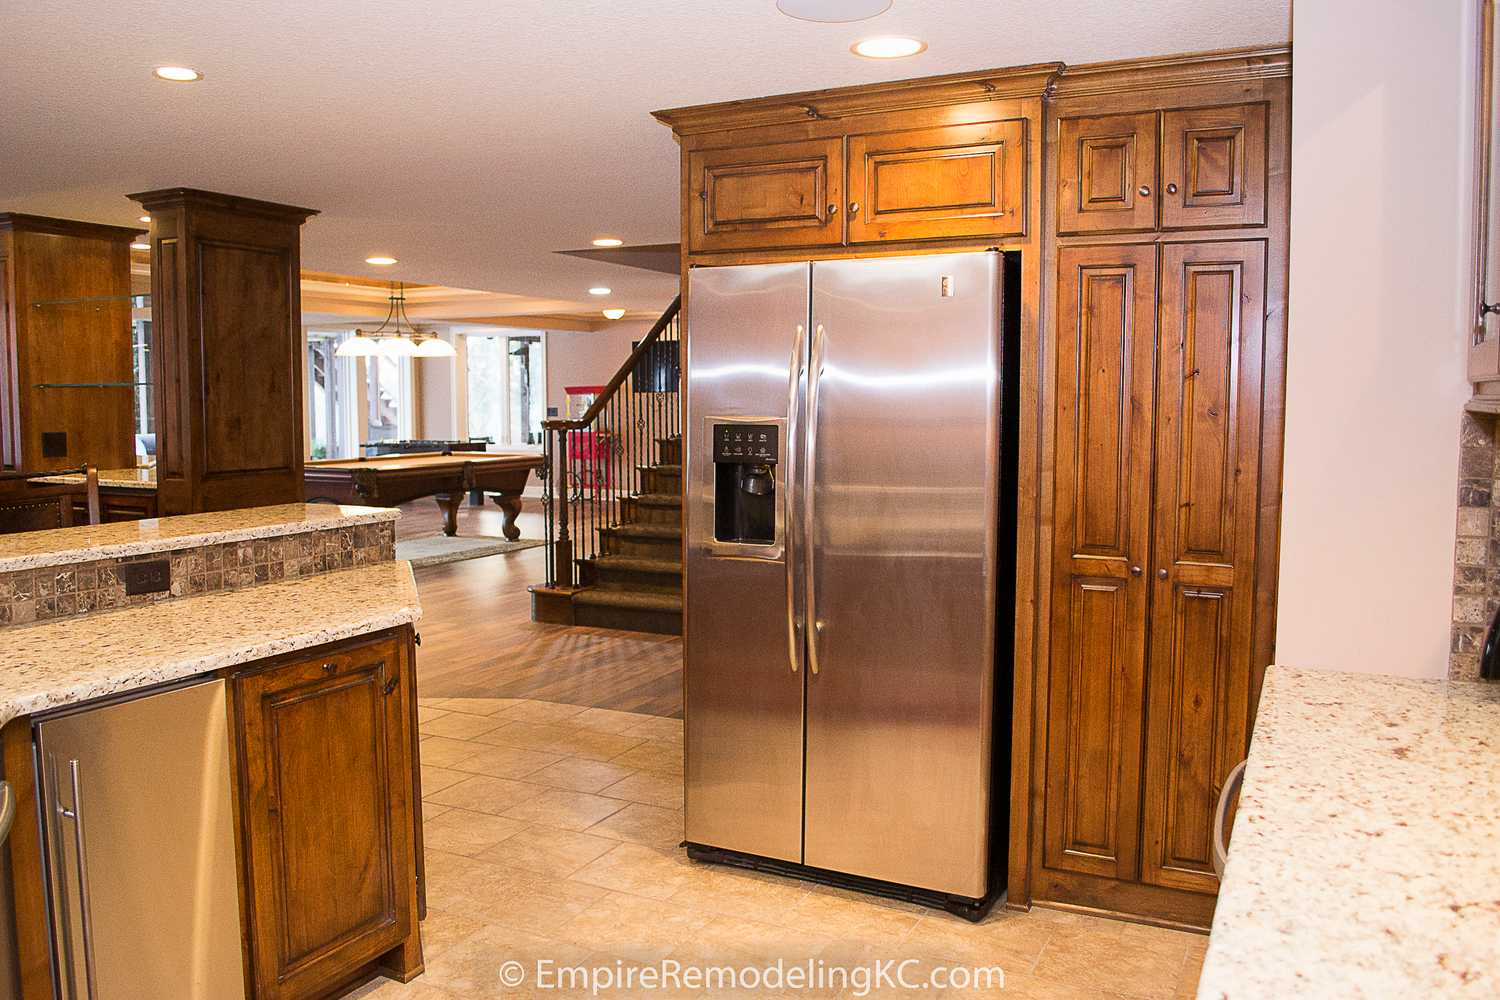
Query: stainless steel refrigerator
point(848, 566)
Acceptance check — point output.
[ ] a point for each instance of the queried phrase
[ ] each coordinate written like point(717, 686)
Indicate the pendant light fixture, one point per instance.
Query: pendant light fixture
point(388, 340)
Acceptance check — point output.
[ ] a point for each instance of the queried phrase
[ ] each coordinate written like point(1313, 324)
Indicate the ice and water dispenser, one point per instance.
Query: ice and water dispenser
point(745, 458)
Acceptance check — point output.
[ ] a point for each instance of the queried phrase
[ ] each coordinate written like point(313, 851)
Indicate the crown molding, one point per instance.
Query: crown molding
point(181, 197)
point(22, 223)
point(1186, 70)
point(841, 102)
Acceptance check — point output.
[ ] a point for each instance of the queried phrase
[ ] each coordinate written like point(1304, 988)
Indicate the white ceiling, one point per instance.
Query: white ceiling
point(472, 138)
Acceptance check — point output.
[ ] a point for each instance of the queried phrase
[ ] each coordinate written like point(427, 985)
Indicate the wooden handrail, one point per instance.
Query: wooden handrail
point(602, 400)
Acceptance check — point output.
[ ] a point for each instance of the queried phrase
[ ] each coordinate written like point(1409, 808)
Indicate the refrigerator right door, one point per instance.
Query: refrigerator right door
point(901, 526)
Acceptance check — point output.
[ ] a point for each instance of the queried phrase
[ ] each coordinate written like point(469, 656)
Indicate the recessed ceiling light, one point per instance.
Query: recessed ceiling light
point(888, 47)
point(599, 290)
point(140, 246)
point(145, 218)
point(381, 261)
point(613, 313)
point(832, 11)
point(177, 74)
point(608, 241)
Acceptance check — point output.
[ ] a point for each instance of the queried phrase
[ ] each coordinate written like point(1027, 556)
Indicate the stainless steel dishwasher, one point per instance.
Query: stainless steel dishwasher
point(140, 845)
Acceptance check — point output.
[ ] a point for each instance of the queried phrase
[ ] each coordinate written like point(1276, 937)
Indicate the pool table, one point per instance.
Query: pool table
point(389, 480)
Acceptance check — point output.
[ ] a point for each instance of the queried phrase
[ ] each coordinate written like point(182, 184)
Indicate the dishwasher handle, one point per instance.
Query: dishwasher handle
point(1221, 835)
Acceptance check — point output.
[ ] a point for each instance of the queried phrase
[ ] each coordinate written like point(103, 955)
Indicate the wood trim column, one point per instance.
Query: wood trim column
point(226, 300)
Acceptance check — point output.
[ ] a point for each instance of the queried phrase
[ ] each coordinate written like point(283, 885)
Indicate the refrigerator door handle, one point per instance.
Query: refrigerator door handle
point(85, 916)
point(793, 622)
point(809, 474)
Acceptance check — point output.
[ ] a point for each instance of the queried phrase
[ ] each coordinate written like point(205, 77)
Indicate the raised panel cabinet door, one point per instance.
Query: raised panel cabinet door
point(947, 181)
point(1213, 167)
point(1213, 300)
point(326, 798)
point(1106, 341)
point(1106, 173)
point(780, 195)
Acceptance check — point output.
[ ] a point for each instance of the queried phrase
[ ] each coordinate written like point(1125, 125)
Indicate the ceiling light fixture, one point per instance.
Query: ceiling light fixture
point(833, 11)
point(140, 246)
point(177, 74)
point(390, 341)
point(888, 47)
point(608, 241)
point(600, 290)
point(381, 261)
point(613, 313)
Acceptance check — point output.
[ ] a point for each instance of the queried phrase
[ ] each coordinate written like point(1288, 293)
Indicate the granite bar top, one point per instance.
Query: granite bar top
point(1365, 855)
point(57, 663)
point(57, 546)
point(121, 479)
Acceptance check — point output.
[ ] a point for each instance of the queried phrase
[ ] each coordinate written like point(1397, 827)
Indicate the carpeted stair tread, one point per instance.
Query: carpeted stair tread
point(639, 564)
point(658, 499)
point(638, 599)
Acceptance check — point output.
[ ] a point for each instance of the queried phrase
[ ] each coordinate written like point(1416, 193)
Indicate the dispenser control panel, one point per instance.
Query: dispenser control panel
point(745, 443)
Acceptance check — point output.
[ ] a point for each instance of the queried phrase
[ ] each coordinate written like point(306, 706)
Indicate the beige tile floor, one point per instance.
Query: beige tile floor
point(552, 832)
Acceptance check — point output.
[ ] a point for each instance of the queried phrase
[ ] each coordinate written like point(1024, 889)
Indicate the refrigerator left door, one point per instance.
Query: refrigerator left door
point(140, 848)
point(746, 340)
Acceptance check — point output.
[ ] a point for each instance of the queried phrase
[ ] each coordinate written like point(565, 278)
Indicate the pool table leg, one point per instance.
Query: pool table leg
point(449, 503)
point(510, 507)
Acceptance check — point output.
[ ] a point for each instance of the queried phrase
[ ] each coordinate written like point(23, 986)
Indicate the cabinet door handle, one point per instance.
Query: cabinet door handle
point(853, 208)
point(1171, 189)
point(833, 209)
point(1145, 191)
point(85, 898)
point(1135, 571)
point(1161, 574)
point(330, 667)
point(1221, 838)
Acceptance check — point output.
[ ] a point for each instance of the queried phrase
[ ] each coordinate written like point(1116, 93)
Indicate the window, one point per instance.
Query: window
point(140, 355)
point(507, 388)
point(387, 399)
point(329, 397)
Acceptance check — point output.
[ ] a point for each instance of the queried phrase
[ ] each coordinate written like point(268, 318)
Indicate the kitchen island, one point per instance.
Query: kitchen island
point(1363, 857)
point(300, 871)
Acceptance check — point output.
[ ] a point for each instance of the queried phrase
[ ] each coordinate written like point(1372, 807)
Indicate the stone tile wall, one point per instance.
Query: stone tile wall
point(81, 588)
point(1476, 557)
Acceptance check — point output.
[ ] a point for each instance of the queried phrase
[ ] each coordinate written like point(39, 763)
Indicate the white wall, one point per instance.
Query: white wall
point(588, 358)
point(1381, 136)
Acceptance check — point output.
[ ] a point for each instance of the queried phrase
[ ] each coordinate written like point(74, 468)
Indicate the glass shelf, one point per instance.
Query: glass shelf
point(89, 385)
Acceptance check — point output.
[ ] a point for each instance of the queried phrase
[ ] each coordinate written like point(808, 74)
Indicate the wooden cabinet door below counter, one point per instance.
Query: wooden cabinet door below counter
point(779, 195)
point(326, 785)
point(946, 181)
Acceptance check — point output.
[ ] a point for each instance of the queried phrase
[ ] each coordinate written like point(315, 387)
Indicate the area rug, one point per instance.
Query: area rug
point(441, 549)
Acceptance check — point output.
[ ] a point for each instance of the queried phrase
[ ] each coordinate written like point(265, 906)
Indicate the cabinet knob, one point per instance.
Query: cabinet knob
point(854, 208)
point(330, 667)
point(1171, 189)
point(1145, 191)
point(1161, 574)
point(1135, 571)
point(833, 209)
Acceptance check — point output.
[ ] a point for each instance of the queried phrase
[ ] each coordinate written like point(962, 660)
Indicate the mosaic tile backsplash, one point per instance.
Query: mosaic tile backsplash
point(80, 588)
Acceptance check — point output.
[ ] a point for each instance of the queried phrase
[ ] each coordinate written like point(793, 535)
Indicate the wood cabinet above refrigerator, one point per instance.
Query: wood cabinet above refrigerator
point(947, 158)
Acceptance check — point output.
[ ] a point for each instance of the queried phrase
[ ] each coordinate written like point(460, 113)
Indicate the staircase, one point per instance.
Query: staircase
point(612, 495)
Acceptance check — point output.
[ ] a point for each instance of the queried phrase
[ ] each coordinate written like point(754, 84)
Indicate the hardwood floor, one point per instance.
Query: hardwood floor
point(478, 639)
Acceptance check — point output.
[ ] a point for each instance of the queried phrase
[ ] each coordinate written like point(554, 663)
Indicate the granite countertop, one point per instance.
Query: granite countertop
point(62, 662)
point(124, 479)
point(1365, 855)
point(57, 546)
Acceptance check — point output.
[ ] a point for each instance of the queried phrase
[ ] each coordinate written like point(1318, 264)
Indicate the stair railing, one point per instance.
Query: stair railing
point(594, 464)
